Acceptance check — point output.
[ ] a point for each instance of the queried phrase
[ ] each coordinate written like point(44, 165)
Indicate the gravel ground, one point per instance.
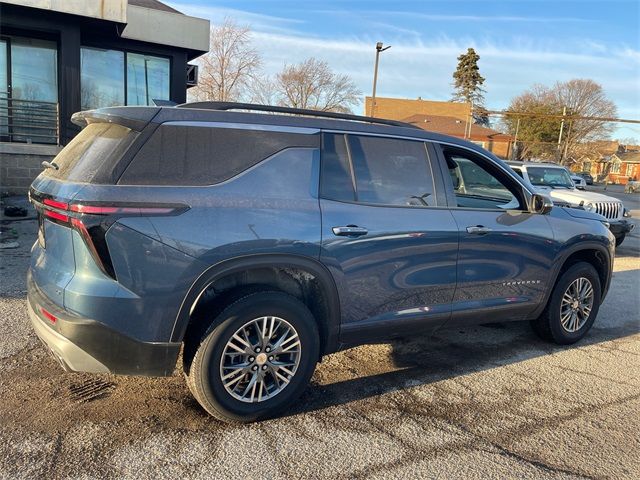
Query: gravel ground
point(485, 402)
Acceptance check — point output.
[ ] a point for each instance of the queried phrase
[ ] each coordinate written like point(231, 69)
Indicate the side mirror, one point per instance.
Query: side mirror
point(541, 204)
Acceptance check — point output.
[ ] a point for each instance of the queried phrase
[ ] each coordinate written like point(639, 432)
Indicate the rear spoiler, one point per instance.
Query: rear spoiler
point(135, 118)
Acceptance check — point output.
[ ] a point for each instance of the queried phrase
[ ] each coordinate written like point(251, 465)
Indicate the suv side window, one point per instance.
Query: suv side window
point(391, 171)
point(336, 177)
point(204, 155)
point(476, 184)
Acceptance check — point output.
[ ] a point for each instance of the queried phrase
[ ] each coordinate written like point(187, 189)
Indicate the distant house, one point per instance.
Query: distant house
point(609, 161)
point(489, 139)
point(624, 166)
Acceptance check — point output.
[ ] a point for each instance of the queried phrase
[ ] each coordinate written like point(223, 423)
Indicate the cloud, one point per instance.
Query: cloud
point(480, 18)
point(258, 21)
point(416, 66)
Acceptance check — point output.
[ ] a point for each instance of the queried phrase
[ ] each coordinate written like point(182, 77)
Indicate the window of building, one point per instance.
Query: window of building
point(147, 79)
point(114, 77)
point(390, 171)
point(4, 89)
point(615, 166)
point(101, 78)
point(28, 90)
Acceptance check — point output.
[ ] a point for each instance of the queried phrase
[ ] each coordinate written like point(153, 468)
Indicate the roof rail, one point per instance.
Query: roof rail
point(293, 111)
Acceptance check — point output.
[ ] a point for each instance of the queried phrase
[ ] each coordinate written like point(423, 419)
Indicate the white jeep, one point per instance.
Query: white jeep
point(555, 181)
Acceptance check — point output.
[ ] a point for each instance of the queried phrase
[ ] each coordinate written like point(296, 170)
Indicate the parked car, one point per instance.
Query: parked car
point(554, 180)
point(579, 182)
point(588, 178)
point(258, 243)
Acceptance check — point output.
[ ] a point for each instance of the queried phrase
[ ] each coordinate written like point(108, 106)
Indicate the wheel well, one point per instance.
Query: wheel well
point(595, 258)
point(296, 282)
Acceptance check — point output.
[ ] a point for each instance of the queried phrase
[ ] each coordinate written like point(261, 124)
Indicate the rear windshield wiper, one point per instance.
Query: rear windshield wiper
point(53, 165)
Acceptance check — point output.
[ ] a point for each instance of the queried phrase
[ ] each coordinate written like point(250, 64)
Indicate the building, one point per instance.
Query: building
point(400, 108)
point(608, 161)
point(624, 166)
point(498, 143)
point(58, 57)
point(449, 118)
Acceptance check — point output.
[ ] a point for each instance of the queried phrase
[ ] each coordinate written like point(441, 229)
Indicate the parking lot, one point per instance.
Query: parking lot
point(484, 402)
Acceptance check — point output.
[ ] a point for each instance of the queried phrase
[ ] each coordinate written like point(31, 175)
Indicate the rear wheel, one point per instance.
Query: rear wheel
point(256, 358)
point(573, 306)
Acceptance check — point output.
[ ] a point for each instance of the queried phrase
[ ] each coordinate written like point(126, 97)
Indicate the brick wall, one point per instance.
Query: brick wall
point(21, 163)
point(401, 108)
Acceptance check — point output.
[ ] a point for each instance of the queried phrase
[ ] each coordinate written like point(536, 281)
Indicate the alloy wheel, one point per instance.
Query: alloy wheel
point(260, 359)
point(576, 305)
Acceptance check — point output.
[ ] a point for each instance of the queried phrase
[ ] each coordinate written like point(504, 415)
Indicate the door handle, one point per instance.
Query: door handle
point(349, 231)
point(478, 230)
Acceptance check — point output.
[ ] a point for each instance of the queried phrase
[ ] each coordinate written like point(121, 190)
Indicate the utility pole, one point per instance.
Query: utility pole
point(564, 112)
point(515, 140)
point(469, 124)
point(379, 48)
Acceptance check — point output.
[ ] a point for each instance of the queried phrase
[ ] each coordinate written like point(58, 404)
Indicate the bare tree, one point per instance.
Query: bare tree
point(263, 91)
point(312, 84)
point(227, 70)
point(584, 98)
point(539, 132)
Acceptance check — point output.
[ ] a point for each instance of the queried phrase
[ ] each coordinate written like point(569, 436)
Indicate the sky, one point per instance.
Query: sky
point(520, 43)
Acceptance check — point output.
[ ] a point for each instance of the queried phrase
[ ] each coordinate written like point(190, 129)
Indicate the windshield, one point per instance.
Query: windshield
point(549, 177)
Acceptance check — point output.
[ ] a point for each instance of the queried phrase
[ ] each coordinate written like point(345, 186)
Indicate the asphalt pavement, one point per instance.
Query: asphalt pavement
point(491, 401)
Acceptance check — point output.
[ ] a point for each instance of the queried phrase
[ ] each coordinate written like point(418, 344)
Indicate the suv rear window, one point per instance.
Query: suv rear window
point(89, 150)
point(205, 155)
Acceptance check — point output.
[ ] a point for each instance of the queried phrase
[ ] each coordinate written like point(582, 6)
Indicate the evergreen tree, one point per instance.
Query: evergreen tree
point(467, 83)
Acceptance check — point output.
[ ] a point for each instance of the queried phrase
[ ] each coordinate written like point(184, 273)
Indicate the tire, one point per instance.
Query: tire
point(549, 325)
point(242, 317)
point(620, 239)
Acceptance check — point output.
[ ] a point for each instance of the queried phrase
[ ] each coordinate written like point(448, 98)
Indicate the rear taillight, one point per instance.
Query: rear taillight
point(93, 220)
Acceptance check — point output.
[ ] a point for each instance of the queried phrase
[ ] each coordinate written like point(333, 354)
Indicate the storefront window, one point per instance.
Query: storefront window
point(4, 93)
point(147, 79)
point(34, 70)
point(113, 77)
point(28, 90)
point(101, 78)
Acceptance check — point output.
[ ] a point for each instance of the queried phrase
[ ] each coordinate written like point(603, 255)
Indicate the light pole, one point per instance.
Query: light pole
point(379, 48)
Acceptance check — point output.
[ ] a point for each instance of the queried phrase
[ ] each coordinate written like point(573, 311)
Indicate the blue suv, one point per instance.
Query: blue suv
point(257, 243)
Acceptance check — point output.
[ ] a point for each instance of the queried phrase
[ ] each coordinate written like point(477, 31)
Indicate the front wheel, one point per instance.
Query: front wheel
point(256, 358)
point(572, 307)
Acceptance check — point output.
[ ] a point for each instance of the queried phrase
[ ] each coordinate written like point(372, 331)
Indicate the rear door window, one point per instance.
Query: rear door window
point(205, 155)
point(95, 145)
point(391, 171)
point(336, 177)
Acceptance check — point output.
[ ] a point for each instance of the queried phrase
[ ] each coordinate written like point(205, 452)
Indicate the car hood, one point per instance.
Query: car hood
point(574, 196)
point(579, 213)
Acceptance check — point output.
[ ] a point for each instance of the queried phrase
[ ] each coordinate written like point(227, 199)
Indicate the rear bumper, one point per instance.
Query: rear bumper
point(621, 227)
point(84, 345)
